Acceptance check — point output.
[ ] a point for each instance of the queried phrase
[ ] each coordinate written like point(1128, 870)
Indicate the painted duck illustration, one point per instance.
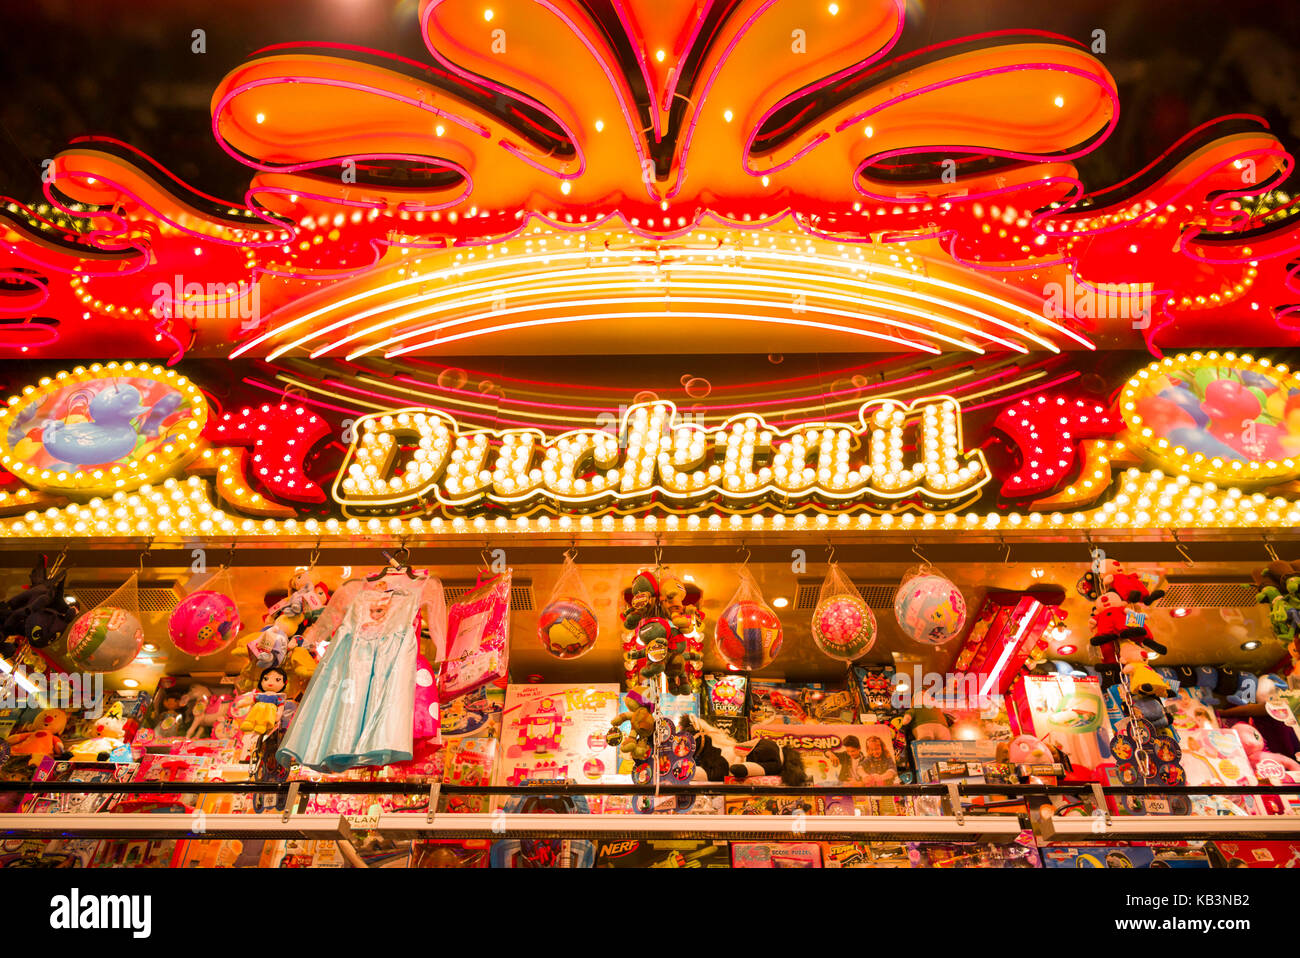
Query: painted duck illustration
point(107, 438)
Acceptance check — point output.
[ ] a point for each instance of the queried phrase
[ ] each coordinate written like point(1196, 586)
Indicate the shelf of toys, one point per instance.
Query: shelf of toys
point(378, 724)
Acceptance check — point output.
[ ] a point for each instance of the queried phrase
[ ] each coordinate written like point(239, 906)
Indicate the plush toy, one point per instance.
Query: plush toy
point(1270, 767)
point(1142, 679)
point(281, 642)
point(718, 755)
point(638, 743)
point(265, 704)
point(42, 736)
point(40, 613)
point(641, 599)
point(109, 734)
point(1129, 586)
point(662, 649)
point(208, 713)
point(1109, 619)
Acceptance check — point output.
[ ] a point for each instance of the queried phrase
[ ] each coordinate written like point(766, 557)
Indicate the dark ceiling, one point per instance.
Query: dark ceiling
point(125, 68)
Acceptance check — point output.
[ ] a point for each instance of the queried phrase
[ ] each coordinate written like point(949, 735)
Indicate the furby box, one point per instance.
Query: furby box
point(1066, 712)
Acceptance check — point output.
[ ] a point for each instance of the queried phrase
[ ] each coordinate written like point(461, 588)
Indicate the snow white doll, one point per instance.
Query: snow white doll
point(268, 699)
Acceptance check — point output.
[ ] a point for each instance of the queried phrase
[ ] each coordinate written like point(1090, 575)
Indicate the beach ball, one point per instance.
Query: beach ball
point(204, 623)
point(105, 639)
point(748, 635)
point(567, 628)
point(930, 609)
point(844, 627)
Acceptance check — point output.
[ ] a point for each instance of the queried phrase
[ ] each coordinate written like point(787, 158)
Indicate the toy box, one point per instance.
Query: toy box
point(139, 853)
point(476, 713)
point(470, 762)
point(54, 770)
point(864, 855)
point(1067, 712)
point(167, 768)
point(558, 732)
point(774, 804)
point(43, 853)
point(450, 853)
point(662, 853)
point(542, 853)
point(776, 855)
point(1125, 856)
point(829, 706)
point(1255, 854)
point(726, 703)
point(1214, 756)
point(1021, 853)
point(774, 702)
point(840, 754)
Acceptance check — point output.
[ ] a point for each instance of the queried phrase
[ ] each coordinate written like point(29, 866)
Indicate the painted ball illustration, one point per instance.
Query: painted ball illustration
point(204, 623)
point(105, 639)
point(930, 609)
point(748, 636)
point(844, 627)
point(567, 628)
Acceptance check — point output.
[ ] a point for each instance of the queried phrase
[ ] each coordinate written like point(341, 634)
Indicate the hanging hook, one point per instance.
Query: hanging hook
point(230, 557)
point(1182, 551)
point(659, 551)
point(144, 555)
point(1272, 553)
point(916, 551)
point(830, 552)
point(747, 554)
point(315, 556)
point(1006, 556)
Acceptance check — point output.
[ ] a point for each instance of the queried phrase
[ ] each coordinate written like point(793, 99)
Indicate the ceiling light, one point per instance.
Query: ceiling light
point(130, 683)
point(780, 602)
point(1066, 649)
point(1036, 573)
point(1180, 612)
point(1250, 646)
point(149, 647)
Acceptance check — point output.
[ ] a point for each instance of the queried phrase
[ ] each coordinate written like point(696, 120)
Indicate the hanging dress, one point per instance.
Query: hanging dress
point(359, 706)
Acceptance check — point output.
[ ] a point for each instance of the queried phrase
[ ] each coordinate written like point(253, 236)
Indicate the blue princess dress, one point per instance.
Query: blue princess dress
point(360, 704)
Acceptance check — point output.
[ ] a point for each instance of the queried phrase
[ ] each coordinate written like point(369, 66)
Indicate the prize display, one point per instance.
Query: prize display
point(567, 626)
point(204, 623)
point(929, 608)
point(105, 639)
point(664, 632)
point(843, 625)
point(748, 634)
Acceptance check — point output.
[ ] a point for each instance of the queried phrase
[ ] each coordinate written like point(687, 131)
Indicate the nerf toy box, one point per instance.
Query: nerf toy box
point(662, 853)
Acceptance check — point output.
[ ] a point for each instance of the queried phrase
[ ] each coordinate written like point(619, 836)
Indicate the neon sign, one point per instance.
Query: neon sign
point(402, 461)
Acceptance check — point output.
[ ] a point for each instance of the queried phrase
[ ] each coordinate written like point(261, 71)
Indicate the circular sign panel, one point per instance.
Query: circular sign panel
point(96, 431)
point(1217, 417)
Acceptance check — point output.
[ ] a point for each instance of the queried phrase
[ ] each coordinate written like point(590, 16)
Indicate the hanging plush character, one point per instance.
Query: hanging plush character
point(1129, 585)
point(266, 703)
point(640, 739)
point(1109, 619)
point(1142, 679)
point(39, 613)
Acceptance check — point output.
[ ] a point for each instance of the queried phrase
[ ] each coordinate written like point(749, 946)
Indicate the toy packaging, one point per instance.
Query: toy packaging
point(774, 804)
point(478, 638)
point(726, 703)
point(557, 732)
point(773, 702)
point(140, 853)
point(43, 853)
point(840, 754)
point(1216, 757)
point(864, 855)
point(1066, 712)
point(662, 853)
point(1022, 853)
point(469, 762)
point(829, 706)
point(477, 713)
point(776, 855)
point(451, 853)
point(55, 770)
point(1181, 855)
point(1255, 854)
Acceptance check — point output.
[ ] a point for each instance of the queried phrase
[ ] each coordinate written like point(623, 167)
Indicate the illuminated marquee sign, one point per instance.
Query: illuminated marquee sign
point(404, 460)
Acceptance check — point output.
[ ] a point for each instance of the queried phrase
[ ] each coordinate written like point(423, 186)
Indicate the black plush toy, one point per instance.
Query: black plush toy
point(716, 757)
point(40, 613)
